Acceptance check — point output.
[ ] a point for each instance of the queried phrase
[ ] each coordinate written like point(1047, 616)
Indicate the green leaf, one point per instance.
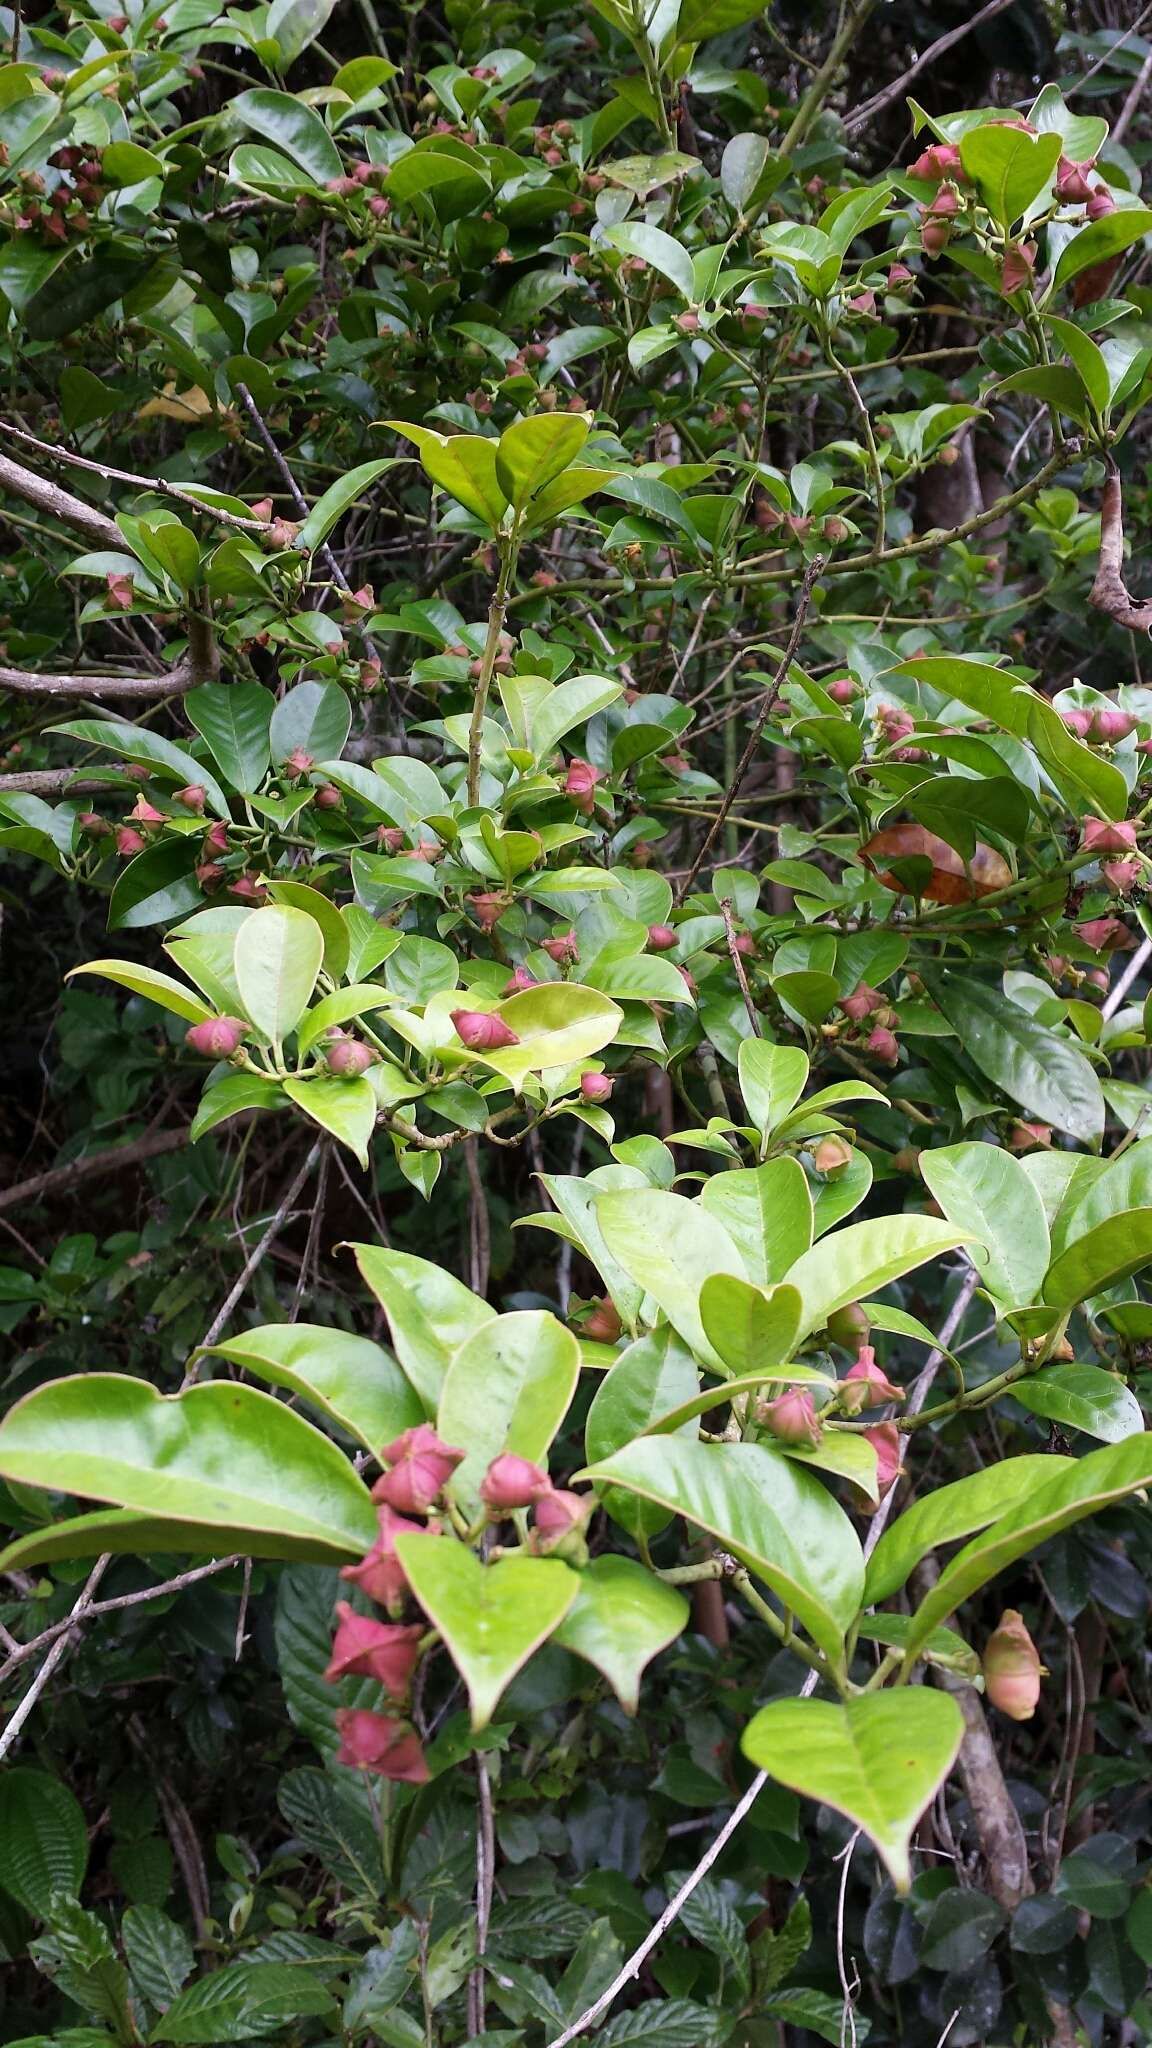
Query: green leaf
point(879, 1759)
point(767, 1212)
point(664, 254)
point(228, 1096)
point(508, 1388)
point(337, 499)
point(123, 1533)
point(762, 1374)
point(557, 1024)
point(650, 1378)
point(278, 955)
point(234, 718)
point(775, 1517)
point(750, 1327)
point(700, 19)
point(45, 1839)
point(306, 1597)
point(622, 1618)
point(950, 1512)
point(355, 1383)
point(223, 1456)
point(293, 24)
point(1009, 167)
point(315, 717)
point(293, 127)
point(243, 2000)
point(463, 465)
point(1037, 1069)
point(864, 1258)
point(492, 1617)
point(985, 1191)
point(344, 1106)
point(533, 451)
point(1100, 239)
point(125, 163)
point(137, 743)
point(1082, 1397)
point(330, 1818)
point(159, 885)
point(159, 1953)
point(175, 548)
point(1092, 1483)
point(148, 981)
point(772, 1080)
point(430, 1314)
point(1119, 1246)
point(670, 1246)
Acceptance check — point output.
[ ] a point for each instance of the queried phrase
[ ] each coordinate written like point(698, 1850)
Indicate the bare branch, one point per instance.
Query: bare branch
point(96, 529)
point(133, 689)
point(62, 1179)
point(1109, 593)
point(54, 1659)
point(158, 484)
point(881, 100)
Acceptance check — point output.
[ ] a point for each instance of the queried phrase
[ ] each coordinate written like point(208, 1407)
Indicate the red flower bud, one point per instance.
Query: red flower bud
point(596, 1087)
point(488, 908)
point(216, 838)
point(945, 204)
point(1016, 269)
point(482, 1030)
point(661, 938)
point(347, 1056)
point(1072, 187)
point(884, 1438)
point(121, 592)
point(603, 1325)
point(862, 1002)
point(327, 798)
point(363, 1648)
point(1100, 203)
point(841, 689)
point(1101, 837)
point(377, 1743)
point(792, 1418)
point(192, 797)
point(580, 784)
point(883, 1044)
point(1012, 1668)
point(512, 1482)
point(940, 160)
point(560, 1519)
point(262, 510)
point(248, 889)
point(420, 1465)
point(95, 826)
point(209, 874)
point(128, 841)
point(380, 1573)
point(519, 980)
point(866, 1385)
point(563, 950)
point(1104, 934)
point(832, 1155)
point(296, 763)
point(934, 236)
point(356, 604)
point(217, 1037)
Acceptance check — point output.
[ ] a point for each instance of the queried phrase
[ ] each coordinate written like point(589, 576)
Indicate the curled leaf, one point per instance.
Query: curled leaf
point(927, 866)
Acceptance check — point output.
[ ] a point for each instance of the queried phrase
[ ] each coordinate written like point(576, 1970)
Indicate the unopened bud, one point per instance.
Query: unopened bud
point(217, 1038)
point(482, 1030)
point(596, 1087)
point(1012, 1668)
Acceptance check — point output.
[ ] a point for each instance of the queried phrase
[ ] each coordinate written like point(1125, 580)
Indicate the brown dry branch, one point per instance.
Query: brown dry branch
point(1109, 593)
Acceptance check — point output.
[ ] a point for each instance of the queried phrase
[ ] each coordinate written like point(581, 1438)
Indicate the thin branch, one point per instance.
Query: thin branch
point(485, 1886)
point(24, 682)
point(921, 1389)
point(62, 1179)
point(811, 573)
point(23, 1651)
point(255, 1258)
point(1135, 100)
point(1109, 593)
point(22, 483)
point(738, 968)
point(1133, 967)
point(158, 484)
point(881, 100)
point(55, 1657)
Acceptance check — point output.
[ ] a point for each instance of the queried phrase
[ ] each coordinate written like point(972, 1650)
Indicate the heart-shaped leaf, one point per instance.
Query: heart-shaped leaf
point(622, 1617)
point(492, 1617)
point(355, 1383)
point(508, 1388)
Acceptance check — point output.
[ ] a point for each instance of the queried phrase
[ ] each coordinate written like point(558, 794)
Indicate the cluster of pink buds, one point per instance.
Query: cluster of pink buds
point(1099, 724)
point(1106, 840)
point(867, 1006)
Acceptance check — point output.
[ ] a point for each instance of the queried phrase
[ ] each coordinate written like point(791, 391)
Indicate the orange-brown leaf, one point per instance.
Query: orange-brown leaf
point(952, 880)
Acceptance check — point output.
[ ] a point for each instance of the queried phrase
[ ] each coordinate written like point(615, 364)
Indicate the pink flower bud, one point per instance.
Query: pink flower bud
point(378, 1743)
point(95, 826)
point(482, 1030)
point(192, 797)
point(945, 204)
point(563, 950)
point(248, 889)
point(832, 1155)
point(560, 1519)
point(580, 784)
point(209, 874)
point(941, 160)
point(488, 908)
point(1101, 837)
point(1072, 187)
point(327, 798)
point(216, 837)
point(934, 236)
point(356, 604)
point(1111, 725)
point(1078, 720)
point(519, 980)
point(661, 938)
point(883, 1044)
point(363, 1648)
point(1121, 875)
point(1100, 203)
point(419, 1467)
point(792, 1418)
point(866, 1385)
point(121, 592)
point(1017, 267)
point(1025, 1137)
point(862, 1002)
point(899, 275)
point(1012, 1668)
point(596, 1087)
point(841, 689)
point(129, 841)
point(884, 1438)
point(262, 510)
point(296, 763)
point(512, 1482)
point(1104, 934)
point(389, 838)
point(380, 1573)
point(144, 813)
point(217, 1038)
point(603, 1325)
point(348, 1057)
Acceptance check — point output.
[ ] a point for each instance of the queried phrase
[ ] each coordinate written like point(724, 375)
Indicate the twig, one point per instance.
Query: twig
point(847, 1988)
point(158, 484)
point(738, 967)
point(242, 1616)
point(1109, 592)
point(180, 1832)
point(811, 573)
point(59, 504)
point(1135, 965)
point(23, 1651)
point(24, 682)
point(55, 1657)
point(61, 1179)
point(672, 1911)
point(255, 1258)
point(880, 100)
point(485, 1885)
point(921, 1389)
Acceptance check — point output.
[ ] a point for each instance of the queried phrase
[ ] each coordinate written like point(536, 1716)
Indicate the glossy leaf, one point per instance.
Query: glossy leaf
point(169, 762)
point(775, 1517)
point(462, 464)
point(670, 1247)
point(277, 957)
point(863, 1258)
point(149, 982)
point(345, 1107)
point(293, 127)
point(492, 1617)
point(235, 718)
point(508, 1388)
point(355, 1383)
point(879, 1759)
point(557, 1024)
point(1115, 1248)
point(232, 1459)
point(750, 1327)
point(340, 496)
point(985, 1191)
point(45, 1839)
point(532, 451)
point(430, 1314)
point(650, 1378)
point(1037, 1069)
point(1082, 1397)
point(767, 1212)
point(621, 1618)
point(950, 1512)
